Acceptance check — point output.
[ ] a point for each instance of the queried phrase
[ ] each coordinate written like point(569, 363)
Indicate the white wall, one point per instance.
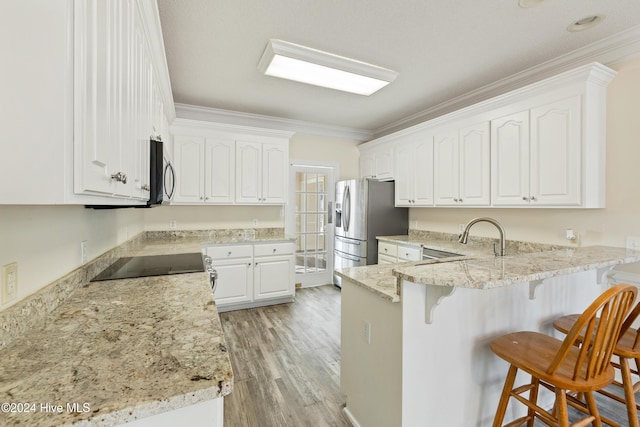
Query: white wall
point(45, 240)
point(608, 226)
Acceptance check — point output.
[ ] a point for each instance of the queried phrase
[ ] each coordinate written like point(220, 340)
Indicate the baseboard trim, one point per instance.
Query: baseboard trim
point(241, 306)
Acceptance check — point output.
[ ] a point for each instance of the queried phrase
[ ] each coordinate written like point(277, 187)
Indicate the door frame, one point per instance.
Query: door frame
point(332, 169)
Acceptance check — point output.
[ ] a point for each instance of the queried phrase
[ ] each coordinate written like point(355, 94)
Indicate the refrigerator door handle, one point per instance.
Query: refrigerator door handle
point(350, 241)
point(347, 257)
point(346, 206)
point(329, 213)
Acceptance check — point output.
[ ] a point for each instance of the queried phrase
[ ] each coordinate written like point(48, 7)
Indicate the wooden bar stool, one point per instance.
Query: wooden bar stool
point(627, 349)
point(580, 363)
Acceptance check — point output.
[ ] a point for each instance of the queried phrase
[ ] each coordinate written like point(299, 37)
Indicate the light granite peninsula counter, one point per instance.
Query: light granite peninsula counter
point(415, 336)
point(146, 352)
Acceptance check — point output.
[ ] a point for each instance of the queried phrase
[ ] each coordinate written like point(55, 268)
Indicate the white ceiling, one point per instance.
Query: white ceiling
point(442, 49)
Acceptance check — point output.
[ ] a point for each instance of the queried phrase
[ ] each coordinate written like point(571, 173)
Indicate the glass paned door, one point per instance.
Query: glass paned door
point(314, 189)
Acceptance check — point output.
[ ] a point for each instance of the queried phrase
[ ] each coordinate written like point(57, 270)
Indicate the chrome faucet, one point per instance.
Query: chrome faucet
point(465, 234)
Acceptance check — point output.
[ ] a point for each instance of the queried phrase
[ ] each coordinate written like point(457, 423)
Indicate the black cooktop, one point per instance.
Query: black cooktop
point(155, 265)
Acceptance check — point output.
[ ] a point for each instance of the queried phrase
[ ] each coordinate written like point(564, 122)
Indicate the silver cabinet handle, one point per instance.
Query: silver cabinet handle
point(120, 177)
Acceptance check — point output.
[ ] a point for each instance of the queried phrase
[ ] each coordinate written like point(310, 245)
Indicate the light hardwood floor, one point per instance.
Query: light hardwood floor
point(286, 362)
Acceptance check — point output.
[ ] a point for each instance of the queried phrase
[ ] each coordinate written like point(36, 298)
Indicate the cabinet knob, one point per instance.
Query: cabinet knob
point(526, 199)
point(201, 198)
point(206, 198)
point(249, 264)
point(460, 200)
point(455, 200)
point(120, 177)
point(229, 254)
point(274, 251)
point(146, 187)
point(533, 198)
point(385, 249)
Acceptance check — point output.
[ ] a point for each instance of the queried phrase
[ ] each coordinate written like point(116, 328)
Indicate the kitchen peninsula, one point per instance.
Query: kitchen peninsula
point(415, 336)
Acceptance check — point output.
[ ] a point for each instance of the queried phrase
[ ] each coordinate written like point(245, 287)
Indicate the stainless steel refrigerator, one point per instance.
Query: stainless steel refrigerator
point(364, 209)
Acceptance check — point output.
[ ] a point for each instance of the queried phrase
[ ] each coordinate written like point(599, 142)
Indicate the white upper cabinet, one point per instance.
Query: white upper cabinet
point(414, 171)
point(461, 166)
point(219, 170)
point(377, 163)
point(542, 145)
point(510, 159)
point(106, 75)
point(223, 164)
point(188, 154)
point(204, 170)
point(536, 156)
point(556, 153)
point(261, 173)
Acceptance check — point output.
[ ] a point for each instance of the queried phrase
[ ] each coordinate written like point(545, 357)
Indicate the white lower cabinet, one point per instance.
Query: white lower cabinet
point(253, 275)
point(391, 253)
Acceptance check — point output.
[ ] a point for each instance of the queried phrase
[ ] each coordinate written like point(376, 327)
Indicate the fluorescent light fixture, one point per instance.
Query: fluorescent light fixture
point(315, 67)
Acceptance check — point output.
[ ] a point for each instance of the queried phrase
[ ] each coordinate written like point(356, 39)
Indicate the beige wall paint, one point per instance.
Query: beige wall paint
point(45, 240)
point(212, 217)
point(333, 150)
point(608, 226)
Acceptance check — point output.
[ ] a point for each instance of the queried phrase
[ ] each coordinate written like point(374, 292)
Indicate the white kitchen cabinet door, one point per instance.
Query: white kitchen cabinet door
point(219, 171)
point(405, 179)
point(275, 173)
point(446, 177)
point(377, 163)
point(189, 169)
point(555, 150)
point(414, 173)
point(474, 174)
point(273, 277)
point(423, 172)
point(367, 164)
point(248, 172)
point(94, 92)
point(262, 171)
point(235, 281)
point(510, 160)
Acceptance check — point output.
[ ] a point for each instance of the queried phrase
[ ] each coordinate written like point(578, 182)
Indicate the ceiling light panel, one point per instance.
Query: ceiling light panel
point(302, 64)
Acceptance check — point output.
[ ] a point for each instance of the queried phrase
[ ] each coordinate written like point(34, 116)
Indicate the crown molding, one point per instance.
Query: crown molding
point(215, 115)
point(608, 51)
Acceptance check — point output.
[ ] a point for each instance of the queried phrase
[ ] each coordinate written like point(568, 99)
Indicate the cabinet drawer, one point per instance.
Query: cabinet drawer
point(386, 259)
point(409, 253)
point(273, 249)
point(228, 252)
point(386, 248)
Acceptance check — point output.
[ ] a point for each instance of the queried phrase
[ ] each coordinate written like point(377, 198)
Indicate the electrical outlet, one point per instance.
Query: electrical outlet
point(9, 282)
point(633, 243)
point(172, 224)
point(83, 251)
point(366, 331)
point(255, 222)
point(414, 224)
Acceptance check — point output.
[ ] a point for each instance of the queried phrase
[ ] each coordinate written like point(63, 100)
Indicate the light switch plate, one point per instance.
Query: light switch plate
point(633, 243)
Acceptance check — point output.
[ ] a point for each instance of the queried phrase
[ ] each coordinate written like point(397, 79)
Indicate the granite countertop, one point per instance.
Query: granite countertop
point(478, 268)
point(126, 348)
